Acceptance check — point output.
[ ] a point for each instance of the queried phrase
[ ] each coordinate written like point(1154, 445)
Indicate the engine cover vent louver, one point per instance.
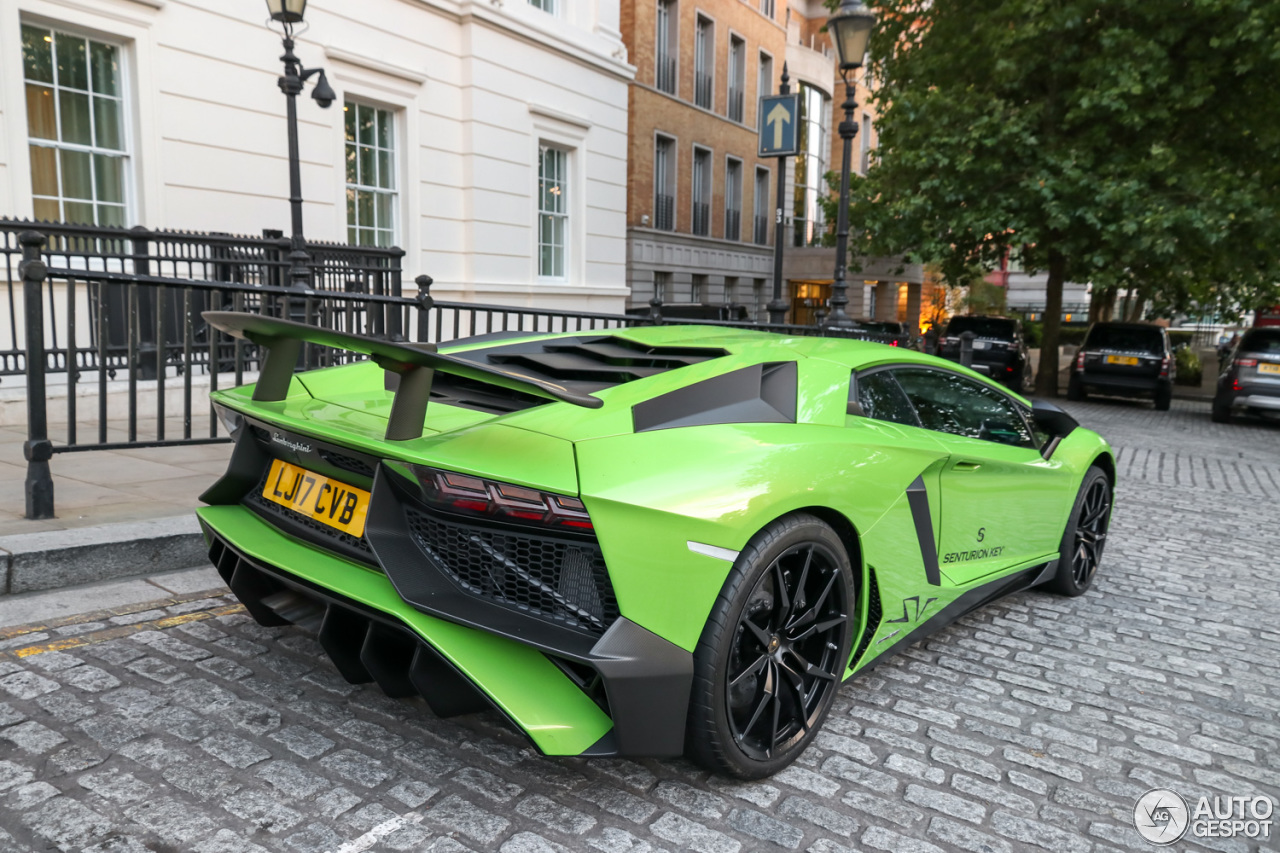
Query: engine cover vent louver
point(761, 393)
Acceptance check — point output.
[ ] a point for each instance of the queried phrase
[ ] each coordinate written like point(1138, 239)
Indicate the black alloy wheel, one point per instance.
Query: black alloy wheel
point(1086, 535)
point(774, 651)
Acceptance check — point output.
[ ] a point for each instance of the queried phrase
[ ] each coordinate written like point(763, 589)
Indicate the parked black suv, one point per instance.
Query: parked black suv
point(1124, 359)
point(999, 347)
point(1250, 377)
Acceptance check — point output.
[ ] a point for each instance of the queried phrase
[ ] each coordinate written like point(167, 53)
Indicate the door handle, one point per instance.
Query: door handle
point(965, 465)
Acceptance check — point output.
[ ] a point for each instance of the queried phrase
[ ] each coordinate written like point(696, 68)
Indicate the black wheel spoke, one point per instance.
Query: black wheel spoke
point(781, 596)
point(760, 634)
point(810, 669)
point(751, 670)
point(766, 695)
point(797, 600)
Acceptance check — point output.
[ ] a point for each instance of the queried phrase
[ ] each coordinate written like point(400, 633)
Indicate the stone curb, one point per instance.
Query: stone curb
point(60, 558)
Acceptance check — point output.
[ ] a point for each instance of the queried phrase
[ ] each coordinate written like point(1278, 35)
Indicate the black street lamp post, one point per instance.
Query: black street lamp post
point(287, 13)
point(850, 29)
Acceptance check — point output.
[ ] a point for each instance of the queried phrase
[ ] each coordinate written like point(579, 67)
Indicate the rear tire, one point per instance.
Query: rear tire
point(1164, 396)
point(1080, 553)
point(1075, 390)
point(773, 652)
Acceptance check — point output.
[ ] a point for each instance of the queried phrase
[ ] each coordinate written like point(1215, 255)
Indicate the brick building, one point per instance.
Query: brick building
point(699, 208)
point(700, 203)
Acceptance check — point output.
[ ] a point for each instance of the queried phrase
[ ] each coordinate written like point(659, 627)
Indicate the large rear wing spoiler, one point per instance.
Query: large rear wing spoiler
point(415, 364)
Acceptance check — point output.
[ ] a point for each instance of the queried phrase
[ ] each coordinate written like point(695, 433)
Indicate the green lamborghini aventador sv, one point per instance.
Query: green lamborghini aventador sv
point(646, 541)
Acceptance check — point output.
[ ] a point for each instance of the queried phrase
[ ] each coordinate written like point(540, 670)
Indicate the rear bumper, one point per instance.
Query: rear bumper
point(1254, 400)
point(626, 694)
point(1122, 384)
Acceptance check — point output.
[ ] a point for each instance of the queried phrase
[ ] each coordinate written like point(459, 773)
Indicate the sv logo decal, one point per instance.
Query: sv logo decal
point(907, 614)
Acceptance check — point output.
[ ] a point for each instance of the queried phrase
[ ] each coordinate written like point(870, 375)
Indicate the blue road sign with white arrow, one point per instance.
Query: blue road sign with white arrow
point(779, 114)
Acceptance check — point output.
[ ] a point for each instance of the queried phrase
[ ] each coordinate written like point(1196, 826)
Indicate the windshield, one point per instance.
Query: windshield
point(1261, 341)
point(983, 327)
point(1126, 339)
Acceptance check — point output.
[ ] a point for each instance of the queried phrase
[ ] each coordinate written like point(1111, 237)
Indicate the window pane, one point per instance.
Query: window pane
point(111, 215)
point(384, 239)
point(37, 54)
point(367, 237)
point(351, 212)
point(384, 170)
point(104, 68)
point(384, 129)
point(44, 170)
point(882, 399)
point(109, 178)
point(366, 167)
point(75, 117)
point(106, 123)
point(385, 212)
point(351, 164)
point(73, 66)
point(349, 120)
point(77, 180)
point(352, 237)
point(42, 122)
point(366, 125)
point(47, 210)
point(364, 208)
point(953, 404)
point(81, 212)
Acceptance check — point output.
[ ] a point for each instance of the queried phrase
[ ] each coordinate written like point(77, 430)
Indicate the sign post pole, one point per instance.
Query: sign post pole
point(778, 136)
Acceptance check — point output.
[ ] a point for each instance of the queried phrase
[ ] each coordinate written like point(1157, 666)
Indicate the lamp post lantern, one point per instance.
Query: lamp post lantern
point(850, 29)
point(287, 13)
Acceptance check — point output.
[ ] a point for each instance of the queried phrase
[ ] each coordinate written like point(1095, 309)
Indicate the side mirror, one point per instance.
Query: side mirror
point(1054, 421)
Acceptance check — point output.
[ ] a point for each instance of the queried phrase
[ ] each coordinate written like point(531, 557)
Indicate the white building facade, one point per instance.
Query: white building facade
point(487, 139)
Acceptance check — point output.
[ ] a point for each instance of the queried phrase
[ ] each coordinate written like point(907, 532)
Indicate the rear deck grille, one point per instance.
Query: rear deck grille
point(560, 580)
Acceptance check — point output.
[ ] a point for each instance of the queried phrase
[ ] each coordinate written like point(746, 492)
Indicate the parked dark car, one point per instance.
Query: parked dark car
point(999, 347)
point(901, 332)
point(1250, 380)
point(1126, 360)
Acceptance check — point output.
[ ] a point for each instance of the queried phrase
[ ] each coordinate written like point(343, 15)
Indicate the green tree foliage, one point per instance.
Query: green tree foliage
point(1123, 142)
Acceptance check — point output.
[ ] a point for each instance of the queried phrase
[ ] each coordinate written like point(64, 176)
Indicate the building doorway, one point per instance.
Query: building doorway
point(807, 297)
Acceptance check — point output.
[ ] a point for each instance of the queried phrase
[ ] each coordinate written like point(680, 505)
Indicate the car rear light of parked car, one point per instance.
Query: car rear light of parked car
point(1246, 362)
point(1164, 367)
point(1080, 361)
point(474, 496)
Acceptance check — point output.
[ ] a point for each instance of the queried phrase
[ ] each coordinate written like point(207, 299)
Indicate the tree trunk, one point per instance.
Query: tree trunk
point(1047, 374)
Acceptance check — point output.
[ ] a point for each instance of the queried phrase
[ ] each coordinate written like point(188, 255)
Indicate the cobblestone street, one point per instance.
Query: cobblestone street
point(1032, 724)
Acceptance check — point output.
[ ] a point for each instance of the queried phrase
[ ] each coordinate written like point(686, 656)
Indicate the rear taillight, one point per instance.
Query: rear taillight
point(1246, 362)
point(1009, 369)
point(476, 496)
point(1164, 367)
point(893, 343)
point(1080, 361)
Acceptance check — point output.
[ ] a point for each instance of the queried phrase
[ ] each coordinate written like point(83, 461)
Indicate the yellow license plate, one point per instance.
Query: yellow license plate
point(1122, 359)
point(329, 502)
point(1268, 368)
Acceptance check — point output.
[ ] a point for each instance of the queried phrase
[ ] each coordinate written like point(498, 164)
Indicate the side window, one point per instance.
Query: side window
point(880, 398)
point(947, 402)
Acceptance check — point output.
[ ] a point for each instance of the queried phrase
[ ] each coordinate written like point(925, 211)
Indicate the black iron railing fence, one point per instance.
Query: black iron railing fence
point(105, 389)
point(172, 255)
